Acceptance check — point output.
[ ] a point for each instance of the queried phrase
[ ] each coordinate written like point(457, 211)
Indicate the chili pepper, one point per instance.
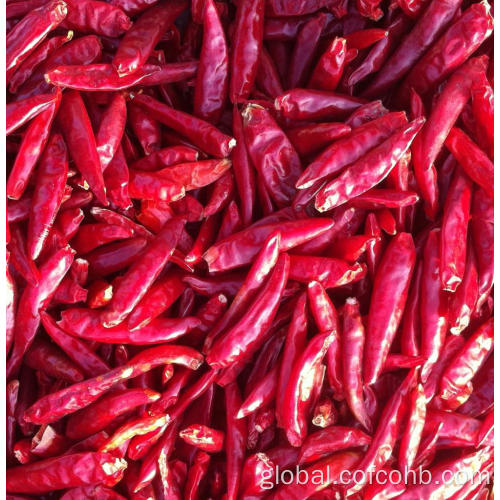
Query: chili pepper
point(467, 362)
point(273, 155)
point(49, 359)
point(482, 109)
point(89, 327)
point(243, 172)
point(66, 401)
point(304, 49)
point(267, 78)
point(353, 338)
point(330, 469)
point(65, 471)
point(89, 16)
point(384, 438)
point(196, 476)
point(469, 31)
point(89, 362)
point(442, 118)
point(201, 133)
point(390, 290)
point(301, 104)
point(212, 75)
point(246, 335)
point(454, 232)
point(20, 112)
point(413, 430)
point(328, 71)
point(31, 31)
point(474, 162)
point(298, 393)
point(127, 294)
point(329, 272)
point(79, 137)
point(262, 267)
point(236, 433)
point(25, 70)
point(240, 248)
point(140, 40)
point(433, 305)
point(309, 139)
point(32, 300)
point(369, 170)
point(246, 47)
point(19, 258)
point(335, 438)
point(350, 148)
point(423, 35)
point(203, 437)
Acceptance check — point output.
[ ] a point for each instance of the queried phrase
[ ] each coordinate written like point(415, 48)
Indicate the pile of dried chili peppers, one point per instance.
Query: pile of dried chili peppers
point(249, 241)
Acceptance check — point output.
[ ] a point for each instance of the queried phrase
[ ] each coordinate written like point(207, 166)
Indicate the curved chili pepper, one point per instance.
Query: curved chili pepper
point(66, 401)
point(390, 290)
point(162, 294)
point(246, 46)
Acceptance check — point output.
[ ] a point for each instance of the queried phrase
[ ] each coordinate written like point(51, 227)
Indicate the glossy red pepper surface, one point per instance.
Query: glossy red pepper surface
point(250, 249)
